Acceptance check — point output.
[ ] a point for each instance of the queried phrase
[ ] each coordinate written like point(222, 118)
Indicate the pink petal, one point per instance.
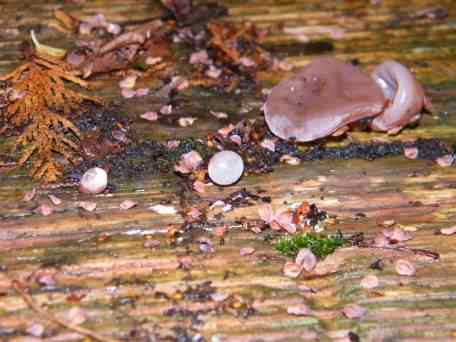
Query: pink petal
point(44, 210)
point(166, 109)
point(128, 93)
point(86, 205)
point(76, 316)
point(411, 152)
point(200, 57)
point(287, 159)
point(369, 282)
point(127, 204)
point(199, 186)
point(55, 200)
point(29, 195)
point(149, 116)
point(299, 310)
point(445, 161)
point(353, 311)
point(404, 267)
point(128, 82)
point(186, 121)
point(236, 139)
point(219, 115)
point(247, 62)
point(396, 234)
point(266, 213)
point(172, 144)
point(245, 251)
point(224, 131)
point(448, 231)
point(36, 330)
point(153, 60)
point(142, 92)
point(292, 270)
point(268, 144)
point(306, 259)
point(151, 243)
point(213, 72)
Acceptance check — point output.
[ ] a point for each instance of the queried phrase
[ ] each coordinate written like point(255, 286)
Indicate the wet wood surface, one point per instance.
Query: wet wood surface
point(100, 256)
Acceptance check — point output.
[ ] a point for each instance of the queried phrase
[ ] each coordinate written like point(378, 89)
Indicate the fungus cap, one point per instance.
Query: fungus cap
point(321, 98)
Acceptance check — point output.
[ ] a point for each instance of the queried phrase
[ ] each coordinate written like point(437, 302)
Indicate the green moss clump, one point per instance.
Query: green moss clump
point(320, 245)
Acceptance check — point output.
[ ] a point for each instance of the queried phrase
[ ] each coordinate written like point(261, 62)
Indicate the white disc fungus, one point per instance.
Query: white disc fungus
point(93, 181)
point(225, 167)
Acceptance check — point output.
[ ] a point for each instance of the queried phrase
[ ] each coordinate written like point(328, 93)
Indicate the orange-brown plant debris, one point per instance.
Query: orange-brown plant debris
point(39, 107)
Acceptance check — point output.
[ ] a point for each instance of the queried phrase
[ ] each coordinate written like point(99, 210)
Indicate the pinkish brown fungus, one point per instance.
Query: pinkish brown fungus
point(322, 98)
point(406, 96)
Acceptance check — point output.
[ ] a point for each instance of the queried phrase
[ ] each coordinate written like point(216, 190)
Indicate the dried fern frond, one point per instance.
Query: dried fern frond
point(40, 106)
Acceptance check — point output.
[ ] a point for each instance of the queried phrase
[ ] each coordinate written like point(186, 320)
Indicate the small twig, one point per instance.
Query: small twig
point(417, 251)
point(17, 286)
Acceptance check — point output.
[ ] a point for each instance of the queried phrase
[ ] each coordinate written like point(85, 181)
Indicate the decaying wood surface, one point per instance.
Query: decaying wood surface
point(100, 258)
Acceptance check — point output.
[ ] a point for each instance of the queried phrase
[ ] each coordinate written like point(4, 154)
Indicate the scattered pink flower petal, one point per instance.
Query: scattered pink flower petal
point(152, 243)
point(219, 296)
point(299, 310)
point(287, 159)
point(306, 259)
point(166, 109)
point(369, 282)
point(219, 115)
point(76, 316)
point(172, 144)
point(381, 241)
point(200, 57)
point(206, 245)
point(153, 60)
point(448, 231)
point(266, 213)
point(224, 131)
point(44, 210)
point(245, 251)
point(268, 144)
point(128, 82)
point(88, 206)
point(29, 195)
point(236, 139)
point(128, 93)
point(142, 92)
point(189, 162)
point(404, 267)
point(396, 234)
point(45, 277)
point(213, 72)
point(247, 62)
point(149, 116)
point(163, 209)
point(85, 28)
point(127, 204)
point(292, 270)
point(220, 231)
point(186, 121)
point(284, 219)
point(199, 187)
point(445, 161)
point(36, 330)
point(411, 152)
point(194, 213)
point(353, 311)
point(184, 84)
point(55, 200)
point(388, 223)
point(113, 28)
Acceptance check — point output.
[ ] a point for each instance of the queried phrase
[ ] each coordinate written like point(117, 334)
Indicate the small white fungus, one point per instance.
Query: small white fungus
point(94, 181)
point(225, 167)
